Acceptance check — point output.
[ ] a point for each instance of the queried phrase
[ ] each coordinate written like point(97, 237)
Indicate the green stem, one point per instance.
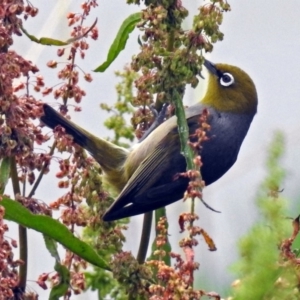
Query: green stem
point(23, 243)
point(170, 44)
point(159, 213)
point(131, 297)
point(183, 132)
point(183, 129)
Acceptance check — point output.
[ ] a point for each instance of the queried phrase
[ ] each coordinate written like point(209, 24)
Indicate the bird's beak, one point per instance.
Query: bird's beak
point(211, 67)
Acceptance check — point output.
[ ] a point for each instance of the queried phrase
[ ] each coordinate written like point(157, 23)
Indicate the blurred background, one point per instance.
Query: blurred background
point(261, 37)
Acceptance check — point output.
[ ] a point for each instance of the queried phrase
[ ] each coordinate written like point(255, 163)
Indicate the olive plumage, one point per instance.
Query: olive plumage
point(144, 176)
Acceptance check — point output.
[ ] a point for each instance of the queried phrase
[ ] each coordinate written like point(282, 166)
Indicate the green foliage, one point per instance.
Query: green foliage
point(51, 246)
point(105, 238)
point(14, 211)
point(4, 173)
point(105, 285)
point(61, 288)
point(263, 273)
point(63, 272)
point(54, 42)
point(296, 246)
point(122, 109)
point(120, 40)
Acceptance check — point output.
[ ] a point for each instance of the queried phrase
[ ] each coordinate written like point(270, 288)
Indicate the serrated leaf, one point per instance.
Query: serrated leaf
point(4, 173)
point(61, 288)
point(15, 212)
point(120, 41)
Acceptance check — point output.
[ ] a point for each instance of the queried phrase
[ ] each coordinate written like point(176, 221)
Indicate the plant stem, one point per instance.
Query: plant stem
point(23, 243)
point(183, 132)
point(160, 213)
point(38, 180)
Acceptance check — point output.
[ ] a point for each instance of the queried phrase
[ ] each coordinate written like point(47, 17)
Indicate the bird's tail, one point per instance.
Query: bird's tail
point(108, 155)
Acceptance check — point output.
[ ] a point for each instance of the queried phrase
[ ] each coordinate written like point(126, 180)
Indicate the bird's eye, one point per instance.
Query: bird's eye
point(226, 79)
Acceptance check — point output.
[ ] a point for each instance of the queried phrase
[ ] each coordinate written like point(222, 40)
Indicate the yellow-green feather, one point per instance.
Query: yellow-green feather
point(240, 97)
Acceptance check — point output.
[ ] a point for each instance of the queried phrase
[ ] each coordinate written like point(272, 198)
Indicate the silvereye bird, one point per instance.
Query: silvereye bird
point(145, 175)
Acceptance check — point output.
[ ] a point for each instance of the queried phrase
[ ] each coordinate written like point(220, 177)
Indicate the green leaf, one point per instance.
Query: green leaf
point(4, 173)
point(52, 247)
point(14, 211)
point(120, 41)
point(54, 42)
point(44, 40)
point(61, 288)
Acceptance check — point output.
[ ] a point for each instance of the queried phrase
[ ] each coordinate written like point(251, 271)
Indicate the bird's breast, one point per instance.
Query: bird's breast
point(226, 135)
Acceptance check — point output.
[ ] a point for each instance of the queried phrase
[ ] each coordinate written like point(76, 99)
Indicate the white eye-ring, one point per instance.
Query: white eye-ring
point(226, 79)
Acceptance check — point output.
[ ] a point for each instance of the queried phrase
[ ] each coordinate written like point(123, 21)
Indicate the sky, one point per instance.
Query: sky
point(262, 38)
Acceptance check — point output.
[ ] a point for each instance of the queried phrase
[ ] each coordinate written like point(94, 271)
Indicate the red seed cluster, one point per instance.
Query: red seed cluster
point(8, 266)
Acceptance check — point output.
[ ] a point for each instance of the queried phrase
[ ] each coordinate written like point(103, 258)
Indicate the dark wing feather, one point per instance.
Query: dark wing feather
point(141, 181)
point(153, 184)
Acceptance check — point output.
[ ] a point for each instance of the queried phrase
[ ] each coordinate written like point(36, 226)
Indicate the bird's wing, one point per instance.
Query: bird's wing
point(157, 197)
point(146, 189)
point(142, 179)
point(144, 192)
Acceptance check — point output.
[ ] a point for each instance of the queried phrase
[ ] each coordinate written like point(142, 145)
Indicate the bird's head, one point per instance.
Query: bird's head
point(230, 89)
